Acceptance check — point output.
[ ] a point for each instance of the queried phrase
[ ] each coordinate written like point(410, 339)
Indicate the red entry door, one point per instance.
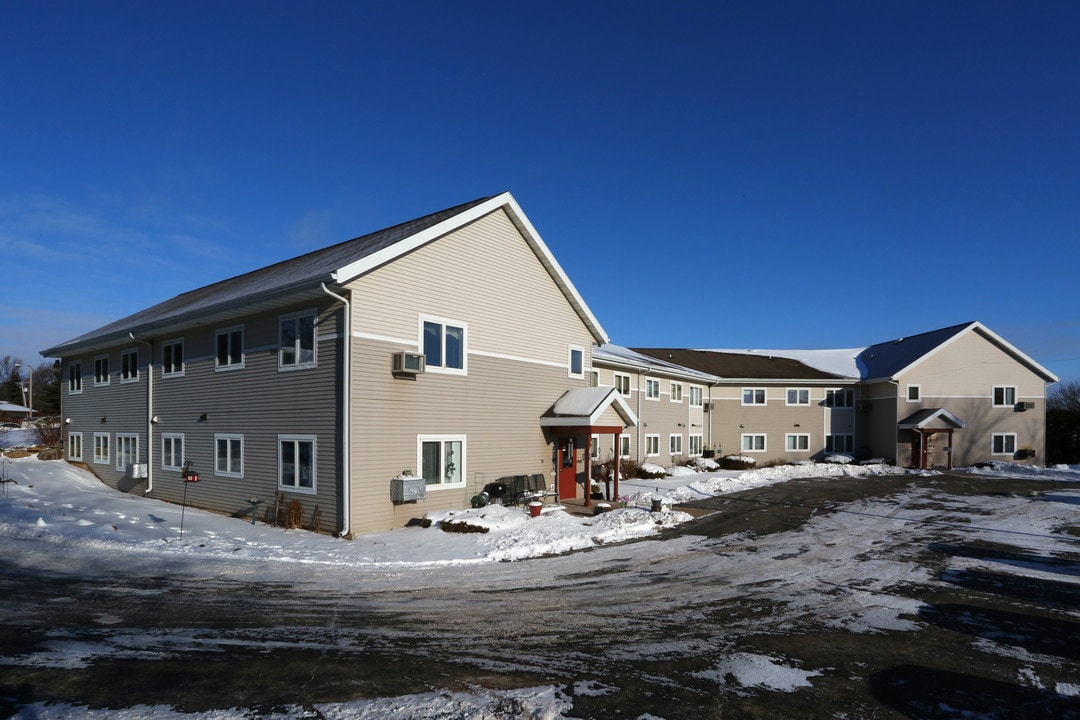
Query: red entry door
point(567, 469)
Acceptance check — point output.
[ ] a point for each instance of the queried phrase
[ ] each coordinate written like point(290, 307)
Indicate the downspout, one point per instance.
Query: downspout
point(346, 384)
point(149, 414)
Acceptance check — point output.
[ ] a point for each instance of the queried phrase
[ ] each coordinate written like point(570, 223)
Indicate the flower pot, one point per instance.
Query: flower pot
point(535, 508)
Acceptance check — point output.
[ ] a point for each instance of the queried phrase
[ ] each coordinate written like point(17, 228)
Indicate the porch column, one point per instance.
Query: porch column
point(617, 463)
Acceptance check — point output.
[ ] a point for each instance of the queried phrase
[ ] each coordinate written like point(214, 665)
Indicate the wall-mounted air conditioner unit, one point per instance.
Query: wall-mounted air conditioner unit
point(407, 363)
point(136, 471)
point(1026, 405)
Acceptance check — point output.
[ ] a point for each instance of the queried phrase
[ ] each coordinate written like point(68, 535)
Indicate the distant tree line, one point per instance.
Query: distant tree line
point(1063, 423)
point(14, 378)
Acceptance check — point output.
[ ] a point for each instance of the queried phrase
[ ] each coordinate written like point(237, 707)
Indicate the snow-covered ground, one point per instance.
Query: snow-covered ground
point(54, 502)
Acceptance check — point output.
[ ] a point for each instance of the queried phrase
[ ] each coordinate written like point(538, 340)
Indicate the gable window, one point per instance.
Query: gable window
point(622, 383)
point(444, 346)
point(914, 393)
point(695, 396)
point(129, 366)
point(75, 446)
point(172, 451)
point(442, 459)
point(1003, 443)
point(843, 398)
point(652, 389)
point(101, 370)
point(840, 442)
point(172, 358)
point(101, 448)
point(576, 362)
point(229, 455)
point(675, 444)
point(296, 341)
point(797, 442)
point(127, 450)
point(753, 442)
point(798, 396)
point(695, 445)
point(676, 392)
point(753, 396)
point(229, 349)
point(75, 377)
point(296, 463)
point(1004, 395)
point(624, 446)
point(652, 445)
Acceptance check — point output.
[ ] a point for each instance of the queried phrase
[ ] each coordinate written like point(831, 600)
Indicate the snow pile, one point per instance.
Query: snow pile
point(750, 670)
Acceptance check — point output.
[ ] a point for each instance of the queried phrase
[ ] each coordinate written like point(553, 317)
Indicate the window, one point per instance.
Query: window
point(172, 451)
point(652, 389)
point(594, 378)
point(75, 377)
point(652, 445)
point(843, 398)
point(129, 366)
point(695, 396)
point(101, 370)
point(442, 460)
point(127, 451)
point(172, 358)
point(1004, 395)
point(296, 341)
point(624, 446)
point(230, 349)
point(695, 445)
point(797, 442)
point(75, 446)
point(798, 396)
point(594, 447)
point(914, 393)
point(101, 448)
point(229, 455)
point(844, 442)
point(1004, 443)
point(622, 383)
point(753, 396)
point(676, 392)
point(675, 444)
point(752, 442)
point(296, 463)
point(576, 362)
point(444, 346)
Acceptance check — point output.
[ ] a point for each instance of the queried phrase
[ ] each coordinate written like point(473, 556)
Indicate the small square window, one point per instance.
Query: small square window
point(443, 346)
point(576, 362)
point(753, 396)
point(675, 445)
point(622, 383)
point(652, 445)
point(797, 442)
point(753, 442)
point(1004, 395)
point(1004, 443)
point(798, 396)
point(914, 393)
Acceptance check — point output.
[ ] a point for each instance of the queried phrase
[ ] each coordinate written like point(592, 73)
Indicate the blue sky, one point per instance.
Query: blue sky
point(710, 174)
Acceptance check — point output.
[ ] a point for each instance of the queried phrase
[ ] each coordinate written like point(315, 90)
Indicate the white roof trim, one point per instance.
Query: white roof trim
point(596, 406)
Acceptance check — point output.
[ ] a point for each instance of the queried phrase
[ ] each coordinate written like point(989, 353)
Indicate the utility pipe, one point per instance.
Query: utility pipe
point(346, 378)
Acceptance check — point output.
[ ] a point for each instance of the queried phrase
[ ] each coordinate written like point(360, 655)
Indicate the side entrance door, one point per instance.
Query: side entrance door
point(567, 469)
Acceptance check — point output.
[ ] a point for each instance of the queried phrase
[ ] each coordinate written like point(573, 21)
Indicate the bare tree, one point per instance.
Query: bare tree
point(1064, 396)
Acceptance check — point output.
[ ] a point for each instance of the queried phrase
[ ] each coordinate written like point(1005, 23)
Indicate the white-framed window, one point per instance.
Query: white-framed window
point(127, 450)
point(652, 445)
point(622, 383)
point(101, 448)
point(172, 358)
point(296, 463)
point(914, 393)
point(444, 344)
point(840, 442)
point(229, 455)
point(652, 389)
point(624, 446)
point(798, 396)
point(229, 348)
point(1003, 443)
point(296, 340)
point(101, 370)
point(840, 398)
point(676, 392)
point(696, 444)
point(1004, 395)
point(172, 451)
point(797, 442)
point(753, 442)
point(753, 396)
point(74, 448)
point(75, 377)
point(695, 396)
point(129, 365)
point(441, 459)
point(675, 444)
point(575, 361)
point(594, 447)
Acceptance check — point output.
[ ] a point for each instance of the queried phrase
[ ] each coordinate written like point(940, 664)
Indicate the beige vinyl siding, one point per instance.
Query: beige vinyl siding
point(519, 325)
point(878, 424)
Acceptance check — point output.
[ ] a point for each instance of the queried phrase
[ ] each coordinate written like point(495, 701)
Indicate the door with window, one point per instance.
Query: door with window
point(567, 460)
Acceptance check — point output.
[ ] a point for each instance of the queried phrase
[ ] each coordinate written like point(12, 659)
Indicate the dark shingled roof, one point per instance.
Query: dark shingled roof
point(740, 365)
point(885, 360)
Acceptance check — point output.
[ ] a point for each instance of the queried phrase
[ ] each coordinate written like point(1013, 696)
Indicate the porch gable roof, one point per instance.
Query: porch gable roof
point(921, 418)
point(579, 407)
